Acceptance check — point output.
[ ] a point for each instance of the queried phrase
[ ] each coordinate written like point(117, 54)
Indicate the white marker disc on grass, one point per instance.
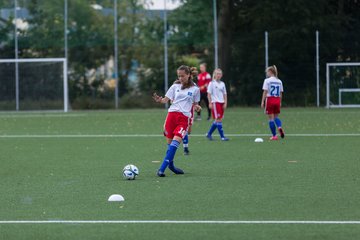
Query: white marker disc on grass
point(116, 198)
point(259, 140)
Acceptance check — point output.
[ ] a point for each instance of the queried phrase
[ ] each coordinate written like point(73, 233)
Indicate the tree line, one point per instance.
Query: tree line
point(291, 26)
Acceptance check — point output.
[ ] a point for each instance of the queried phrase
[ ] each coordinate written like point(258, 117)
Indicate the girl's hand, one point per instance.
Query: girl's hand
point(262, 105)
point(225, 105)
point(157, 98)
point(197, 108)
point(210, 106)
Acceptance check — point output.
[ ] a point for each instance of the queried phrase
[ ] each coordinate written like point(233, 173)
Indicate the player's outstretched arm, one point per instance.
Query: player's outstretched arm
point(160, 99)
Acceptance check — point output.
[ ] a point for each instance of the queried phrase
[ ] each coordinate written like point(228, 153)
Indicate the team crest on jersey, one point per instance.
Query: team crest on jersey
point(190, 93)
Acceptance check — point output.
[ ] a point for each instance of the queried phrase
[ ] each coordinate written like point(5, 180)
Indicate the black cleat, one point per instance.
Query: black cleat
point(160, 174)
point(282, 134)
point(186, 151)
point(209, 137)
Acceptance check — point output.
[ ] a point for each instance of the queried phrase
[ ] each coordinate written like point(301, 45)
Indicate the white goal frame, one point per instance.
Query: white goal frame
point(52, 60)
point(341, 90)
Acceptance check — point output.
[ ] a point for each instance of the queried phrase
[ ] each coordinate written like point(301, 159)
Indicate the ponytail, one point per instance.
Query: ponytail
point(193, 73)
point(273, 70)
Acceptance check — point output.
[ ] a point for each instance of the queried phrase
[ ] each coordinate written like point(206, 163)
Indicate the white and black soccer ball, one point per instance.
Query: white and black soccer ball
point(130, 172)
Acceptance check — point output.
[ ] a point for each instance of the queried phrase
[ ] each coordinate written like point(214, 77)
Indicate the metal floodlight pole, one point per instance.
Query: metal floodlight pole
point(66, 99)
point(266, 49)
point(166, 69)
point(317, 71)
point(16, 57)
point(116, 54)
point(216, 47)
point(66, 28)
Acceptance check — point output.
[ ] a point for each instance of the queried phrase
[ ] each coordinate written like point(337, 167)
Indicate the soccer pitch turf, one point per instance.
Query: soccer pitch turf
point(58, 167)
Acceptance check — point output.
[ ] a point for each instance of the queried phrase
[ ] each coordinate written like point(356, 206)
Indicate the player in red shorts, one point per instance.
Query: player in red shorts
point(184, 94)
point(194, 73)
point(218, 102)
point(271, 100)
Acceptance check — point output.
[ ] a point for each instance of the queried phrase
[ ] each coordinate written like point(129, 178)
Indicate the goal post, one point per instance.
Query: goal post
point(43, 81)
point(343, 79)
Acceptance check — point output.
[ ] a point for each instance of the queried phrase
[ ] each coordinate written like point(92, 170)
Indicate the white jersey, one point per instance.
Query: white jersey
point(273, 86)
point(217, 91)
point(183, 99)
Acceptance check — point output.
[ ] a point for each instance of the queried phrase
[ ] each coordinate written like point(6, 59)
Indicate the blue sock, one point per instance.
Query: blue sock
point(278, 122)
point(168, 146)
point(220, 129)
point(272, 127)
point(186, 141)
point(165, 163)
point(212, 128)
point(170, 153)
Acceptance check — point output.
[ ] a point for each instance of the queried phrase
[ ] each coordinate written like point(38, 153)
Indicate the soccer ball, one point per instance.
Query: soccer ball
point(130, 172)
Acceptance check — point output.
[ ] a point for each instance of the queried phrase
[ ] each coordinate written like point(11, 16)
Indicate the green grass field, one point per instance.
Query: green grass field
point(58, 166)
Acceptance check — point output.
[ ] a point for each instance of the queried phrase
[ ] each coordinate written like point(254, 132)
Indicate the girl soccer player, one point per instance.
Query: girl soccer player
point(194, 74)
point(184, 95)
point(218, 102)
point(271, 100)
point(203, 81)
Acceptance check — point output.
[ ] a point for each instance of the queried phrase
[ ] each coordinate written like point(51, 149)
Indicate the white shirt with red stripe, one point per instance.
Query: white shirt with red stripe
point(217, 91)
point(183, 99)
point(273, 86)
